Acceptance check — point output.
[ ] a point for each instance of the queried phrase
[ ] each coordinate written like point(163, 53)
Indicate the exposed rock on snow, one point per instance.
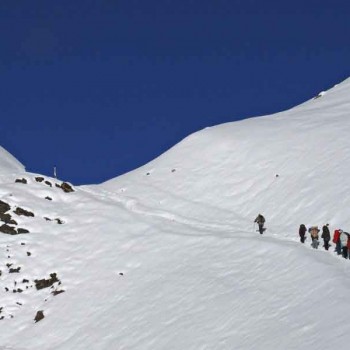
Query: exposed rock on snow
point(8, 229)
point(14, 270)
point(7, 219)
point(39, 316)
point(23, 181)
point(20, 211)
point(45, 283)
point(22, 230)
point(4, 207)
point(66, 187)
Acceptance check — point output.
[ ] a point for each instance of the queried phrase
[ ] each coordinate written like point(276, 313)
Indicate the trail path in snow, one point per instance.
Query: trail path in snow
point(221, 230)
point(134, 205)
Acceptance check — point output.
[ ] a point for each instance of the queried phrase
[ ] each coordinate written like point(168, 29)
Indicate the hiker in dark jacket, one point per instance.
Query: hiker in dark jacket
point(302, 231)
point(326, 235)
point(260, 220)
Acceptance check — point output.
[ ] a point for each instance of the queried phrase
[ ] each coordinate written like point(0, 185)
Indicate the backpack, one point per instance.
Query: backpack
point(336, 236)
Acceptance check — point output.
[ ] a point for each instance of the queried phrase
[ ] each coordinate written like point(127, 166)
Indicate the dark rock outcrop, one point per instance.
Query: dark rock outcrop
point(56, 292)
point(4, 207)
point(39, 316)
point(39, 179)
point(11, 230)
point(48, 183)
point(23, 181)
point(66, 187)
point(14, 270)
point(20, 211)
point(45, 283)
point(22, 230)
point(7, 219)
point(8, 229)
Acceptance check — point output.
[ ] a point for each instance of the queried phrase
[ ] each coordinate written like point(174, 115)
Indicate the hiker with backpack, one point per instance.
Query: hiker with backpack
point(326, 235)
point(336, 240)
point(348, 246)
point(344, 243)
point(302, 231)
point(260, 220)
point(314, 230)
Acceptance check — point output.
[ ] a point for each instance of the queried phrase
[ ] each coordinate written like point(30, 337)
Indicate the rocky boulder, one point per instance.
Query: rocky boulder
point(22, 230)
point(39, 316)
point(23, 181)
point(4, 207)
point(7, 219)
point(8, 229)
point(66, 187)
point(45, 283)
point(20, 211)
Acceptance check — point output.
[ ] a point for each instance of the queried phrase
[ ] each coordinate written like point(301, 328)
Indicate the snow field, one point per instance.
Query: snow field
point(167, 257)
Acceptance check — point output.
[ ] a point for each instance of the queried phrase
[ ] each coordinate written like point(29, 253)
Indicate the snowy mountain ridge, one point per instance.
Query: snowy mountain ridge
point(233, 159)
point(9, 164)
point(167, 256)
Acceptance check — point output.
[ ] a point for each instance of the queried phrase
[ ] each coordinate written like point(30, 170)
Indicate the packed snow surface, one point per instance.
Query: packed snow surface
point(167, 256)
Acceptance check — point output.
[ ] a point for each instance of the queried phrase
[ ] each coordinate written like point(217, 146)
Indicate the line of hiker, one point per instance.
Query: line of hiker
point(341, 239)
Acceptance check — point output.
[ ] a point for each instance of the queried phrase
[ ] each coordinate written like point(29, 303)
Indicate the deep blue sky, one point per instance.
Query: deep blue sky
point(101, 87)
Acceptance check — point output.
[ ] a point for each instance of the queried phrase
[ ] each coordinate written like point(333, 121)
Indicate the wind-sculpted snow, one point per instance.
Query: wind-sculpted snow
point(168, 257)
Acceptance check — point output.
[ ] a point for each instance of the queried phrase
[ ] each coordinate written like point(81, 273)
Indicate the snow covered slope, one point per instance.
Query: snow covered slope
point(9, 164)
point(292, 166)
point(166, 257)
